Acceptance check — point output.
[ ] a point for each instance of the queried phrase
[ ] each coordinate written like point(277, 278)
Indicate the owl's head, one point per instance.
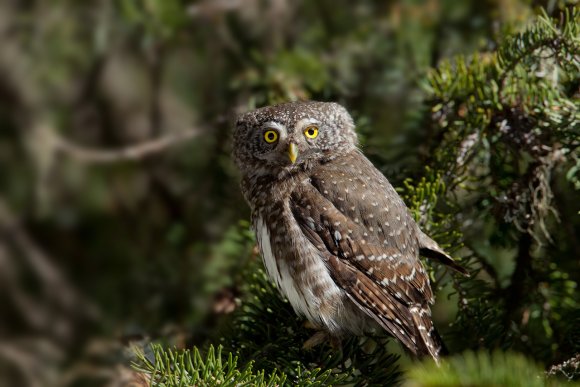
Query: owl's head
point(290, 135)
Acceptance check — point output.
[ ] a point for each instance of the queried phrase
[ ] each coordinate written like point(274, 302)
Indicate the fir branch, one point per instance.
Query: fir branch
point(480, 369)
point(267, 332)
point(173, 368)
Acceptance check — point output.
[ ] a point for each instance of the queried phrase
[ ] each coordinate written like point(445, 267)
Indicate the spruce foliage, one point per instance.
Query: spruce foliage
point(510, 125)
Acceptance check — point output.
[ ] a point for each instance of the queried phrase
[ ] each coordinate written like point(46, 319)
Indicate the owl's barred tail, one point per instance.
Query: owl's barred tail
point(429, 342)
point(430, 249)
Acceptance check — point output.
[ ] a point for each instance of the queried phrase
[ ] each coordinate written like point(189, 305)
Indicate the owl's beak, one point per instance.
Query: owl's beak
point(292, 152)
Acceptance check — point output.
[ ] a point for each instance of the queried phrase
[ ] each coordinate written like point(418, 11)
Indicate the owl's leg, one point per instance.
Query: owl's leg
point(316, 339)
point(320, 337)
point(310, 325)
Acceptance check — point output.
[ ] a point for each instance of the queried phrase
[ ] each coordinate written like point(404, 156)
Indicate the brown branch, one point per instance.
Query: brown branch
point(515, 293)
point(130, 153)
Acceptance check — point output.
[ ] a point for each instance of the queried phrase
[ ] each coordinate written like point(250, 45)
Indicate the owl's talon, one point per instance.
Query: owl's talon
point(310, 325)
point(336, 343)
point(316, 339)
point(321, 337)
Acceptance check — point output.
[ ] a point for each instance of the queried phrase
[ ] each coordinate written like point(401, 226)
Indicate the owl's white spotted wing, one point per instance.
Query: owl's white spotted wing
point(371, 246)
point(364, 195)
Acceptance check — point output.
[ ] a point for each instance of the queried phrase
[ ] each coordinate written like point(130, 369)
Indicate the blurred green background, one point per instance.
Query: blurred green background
point(120, 212)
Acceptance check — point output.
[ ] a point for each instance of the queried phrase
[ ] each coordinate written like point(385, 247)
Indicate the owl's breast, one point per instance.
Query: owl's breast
point(297, 267)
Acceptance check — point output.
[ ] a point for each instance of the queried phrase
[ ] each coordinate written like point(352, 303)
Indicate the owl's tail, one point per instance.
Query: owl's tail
point(430, 249)
point(429, 342)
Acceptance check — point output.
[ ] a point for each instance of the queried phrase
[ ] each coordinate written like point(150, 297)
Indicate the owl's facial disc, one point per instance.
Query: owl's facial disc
point(271, 140)
point(291, 136)
point(287, 147)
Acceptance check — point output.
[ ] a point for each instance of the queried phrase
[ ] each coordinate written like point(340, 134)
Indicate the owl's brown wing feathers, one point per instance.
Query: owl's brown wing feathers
point(330, 230)
point(359, 287)
point(384, 281)
point(371, 299)
point(362, 193)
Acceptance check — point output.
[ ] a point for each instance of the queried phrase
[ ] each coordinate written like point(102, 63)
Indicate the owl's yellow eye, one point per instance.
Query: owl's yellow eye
point(311, 132)
point(270, 136)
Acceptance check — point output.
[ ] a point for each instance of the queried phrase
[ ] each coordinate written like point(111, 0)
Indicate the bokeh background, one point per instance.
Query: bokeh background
point(120, 214)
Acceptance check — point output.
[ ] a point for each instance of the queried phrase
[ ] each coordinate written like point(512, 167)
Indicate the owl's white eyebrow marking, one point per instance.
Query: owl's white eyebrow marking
point(275, 125)
point(304, 123)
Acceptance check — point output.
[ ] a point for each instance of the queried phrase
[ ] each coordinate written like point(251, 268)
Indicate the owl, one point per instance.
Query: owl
point(335, 236)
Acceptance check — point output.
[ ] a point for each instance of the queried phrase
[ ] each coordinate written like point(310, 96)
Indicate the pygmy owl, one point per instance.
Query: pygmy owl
point(334, 234)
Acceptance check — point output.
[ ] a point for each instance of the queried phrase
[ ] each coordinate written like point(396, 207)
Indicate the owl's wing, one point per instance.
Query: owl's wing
point(364, 194)
point(390, 287)
point(386, 282)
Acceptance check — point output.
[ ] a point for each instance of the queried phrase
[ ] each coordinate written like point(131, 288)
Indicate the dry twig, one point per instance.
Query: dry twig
point(130, 153)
